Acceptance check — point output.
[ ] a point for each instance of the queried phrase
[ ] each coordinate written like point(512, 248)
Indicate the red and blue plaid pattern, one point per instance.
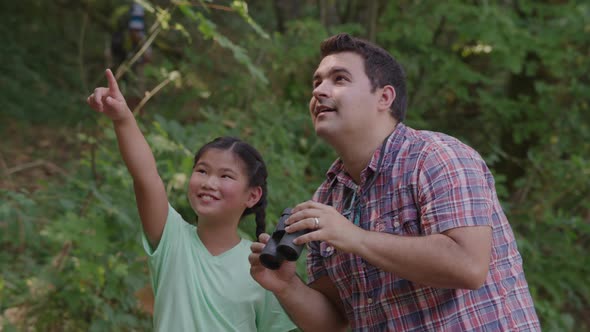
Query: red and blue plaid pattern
point(427, 183)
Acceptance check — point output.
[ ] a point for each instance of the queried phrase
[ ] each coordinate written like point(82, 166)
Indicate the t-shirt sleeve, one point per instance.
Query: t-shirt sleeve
point(171, 236)
point(454, 189)
point(272, 317)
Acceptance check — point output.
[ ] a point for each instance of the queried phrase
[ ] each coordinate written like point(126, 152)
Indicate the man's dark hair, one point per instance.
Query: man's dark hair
point(380, 66)
point(255, 168)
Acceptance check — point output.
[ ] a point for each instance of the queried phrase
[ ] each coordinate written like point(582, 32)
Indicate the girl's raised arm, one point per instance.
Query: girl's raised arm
point(150, 194)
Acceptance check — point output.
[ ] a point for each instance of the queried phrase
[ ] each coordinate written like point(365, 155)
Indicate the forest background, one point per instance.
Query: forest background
point(510, 78)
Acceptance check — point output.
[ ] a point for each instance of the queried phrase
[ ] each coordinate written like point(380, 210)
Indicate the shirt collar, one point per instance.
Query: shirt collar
point(392, 145)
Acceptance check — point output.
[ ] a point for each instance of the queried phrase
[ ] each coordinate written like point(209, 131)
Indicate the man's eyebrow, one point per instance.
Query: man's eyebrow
point(332, 71)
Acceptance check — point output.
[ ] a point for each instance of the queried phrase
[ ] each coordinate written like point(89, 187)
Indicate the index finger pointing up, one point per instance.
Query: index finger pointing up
point(113, 86)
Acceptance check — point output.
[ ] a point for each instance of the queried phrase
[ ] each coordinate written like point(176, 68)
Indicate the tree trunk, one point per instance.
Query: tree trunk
point(372, 17)
point(285, 11)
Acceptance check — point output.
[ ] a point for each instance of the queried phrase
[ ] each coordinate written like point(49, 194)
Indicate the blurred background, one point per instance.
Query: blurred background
point(510, 78)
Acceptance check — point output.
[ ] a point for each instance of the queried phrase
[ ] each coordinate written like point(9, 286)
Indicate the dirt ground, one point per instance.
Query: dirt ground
point(32, 156)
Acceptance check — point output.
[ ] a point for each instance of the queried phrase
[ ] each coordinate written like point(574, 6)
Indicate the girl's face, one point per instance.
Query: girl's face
point(218, 188)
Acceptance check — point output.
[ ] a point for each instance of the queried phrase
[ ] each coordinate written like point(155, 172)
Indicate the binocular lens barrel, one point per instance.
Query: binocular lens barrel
point(280, 246)
point(289, 253)
point(288, 249)
point(269, 257)
point(271, 262)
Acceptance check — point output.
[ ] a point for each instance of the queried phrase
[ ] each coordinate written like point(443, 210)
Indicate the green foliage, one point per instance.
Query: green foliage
point(37, 78)
point(208, 30)
point(508, 78)
point(77, 254)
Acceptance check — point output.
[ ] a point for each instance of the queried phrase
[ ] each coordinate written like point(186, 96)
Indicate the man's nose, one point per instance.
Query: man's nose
point(321, 90)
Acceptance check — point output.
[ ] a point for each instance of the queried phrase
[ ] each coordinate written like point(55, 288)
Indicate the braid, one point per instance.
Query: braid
point(260, 221)
point(259, 209)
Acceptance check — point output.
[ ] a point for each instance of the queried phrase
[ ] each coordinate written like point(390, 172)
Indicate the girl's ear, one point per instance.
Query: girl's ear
point(254, 196)
point(387, 97)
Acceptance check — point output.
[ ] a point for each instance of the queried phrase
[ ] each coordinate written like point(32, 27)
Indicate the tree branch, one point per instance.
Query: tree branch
point(419, 79)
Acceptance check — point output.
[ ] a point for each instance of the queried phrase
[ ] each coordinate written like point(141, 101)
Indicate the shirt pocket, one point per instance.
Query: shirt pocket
point(388, 222)
point(399, 222)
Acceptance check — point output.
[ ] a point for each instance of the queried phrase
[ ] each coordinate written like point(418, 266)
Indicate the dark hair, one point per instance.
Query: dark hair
point(255, 167)
point(380, 66)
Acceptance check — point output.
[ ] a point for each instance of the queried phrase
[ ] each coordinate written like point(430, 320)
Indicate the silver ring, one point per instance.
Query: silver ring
point(317, 222)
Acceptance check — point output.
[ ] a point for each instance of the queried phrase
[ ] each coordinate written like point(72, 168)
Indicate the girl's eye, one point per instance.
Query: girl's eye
point(225, 176)
point(202, 171)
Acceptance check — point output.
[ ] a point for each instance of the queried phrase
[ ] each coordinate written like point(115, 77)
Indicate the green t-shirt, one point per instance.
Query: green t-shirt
point(195, 291)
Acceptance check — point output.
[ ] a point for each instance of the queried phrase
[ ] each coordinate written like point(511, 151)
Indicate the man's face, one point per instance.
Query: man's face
point(342, 104)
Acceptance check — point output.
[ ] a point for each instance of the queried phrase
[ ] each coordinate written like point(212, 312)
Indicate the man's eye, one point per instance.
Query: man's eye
point(340, 78)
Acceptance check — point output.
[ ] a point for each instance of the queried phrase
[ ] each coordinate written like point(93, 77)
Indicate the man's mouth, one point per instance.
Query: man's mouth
point(323, 109)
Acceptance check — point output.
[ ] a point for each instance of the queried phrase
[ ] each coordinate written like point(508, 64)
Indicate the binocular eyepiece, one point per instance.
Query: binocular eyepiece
point(280, 246)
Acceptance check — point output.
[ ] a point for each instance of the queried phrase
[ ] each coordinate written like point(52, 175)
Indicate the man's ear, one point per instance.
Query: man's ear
point(387, 97)
point(254, 196)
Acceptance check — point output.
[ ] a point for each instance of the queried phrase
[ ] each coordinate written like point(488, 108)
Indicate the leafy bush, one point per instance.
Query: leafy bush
point(507, 78)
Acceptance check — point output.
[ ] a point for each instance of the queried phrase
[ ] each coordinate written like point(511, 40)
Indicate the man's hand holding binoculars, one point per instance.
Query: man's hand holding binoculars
point(324, 223)
point(273, 258)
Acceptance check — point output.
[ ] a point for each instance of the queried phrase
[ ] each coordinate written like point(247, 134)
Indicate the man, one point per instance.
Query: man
point(406, 232)
point(129, 36)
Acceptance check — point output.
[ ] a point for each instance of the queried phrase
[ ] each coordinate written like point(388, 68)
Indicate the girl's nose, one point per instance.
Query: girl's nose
point(212, 181)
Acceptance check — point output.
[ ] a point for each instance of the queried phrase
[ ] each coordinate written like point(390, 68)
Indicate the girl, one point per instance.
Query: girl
point(200, 275)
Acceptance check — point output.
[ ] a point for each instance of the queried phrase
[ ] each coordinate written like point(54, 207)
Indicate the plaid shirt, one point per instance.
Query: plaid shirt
point(427, 183)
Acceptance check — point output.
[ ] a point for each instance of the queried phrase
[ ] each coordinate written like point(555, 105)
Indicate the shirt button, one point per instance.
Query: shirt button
point(396, 224)
point(369, 300)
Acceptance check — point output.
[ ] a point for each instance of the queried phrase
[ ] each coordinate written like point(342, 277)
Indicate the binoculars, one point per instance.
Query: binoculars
point(280, 246)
